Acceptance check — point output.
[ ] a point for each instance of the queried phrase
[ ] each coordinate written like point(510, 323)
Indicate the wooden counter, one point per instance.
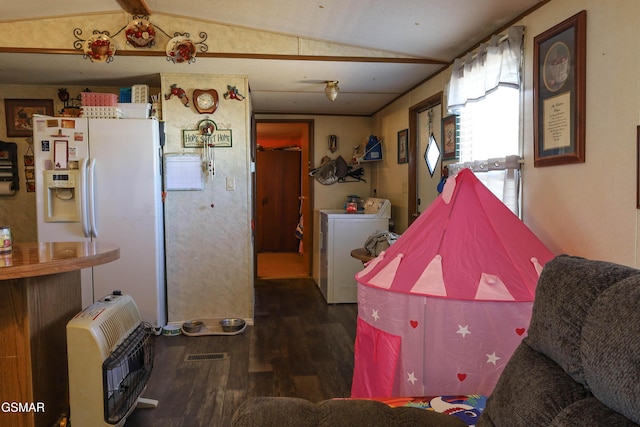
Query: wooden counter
point(39, 294)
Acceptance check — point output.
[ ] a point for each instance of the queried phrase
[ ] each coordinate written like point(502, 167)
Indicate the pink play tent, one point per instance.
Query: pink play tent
point(441, 311)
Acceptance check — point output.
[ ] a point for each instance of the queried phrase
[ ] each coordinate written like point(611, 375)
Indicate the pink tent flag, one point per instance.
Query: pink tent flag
point(456, 290)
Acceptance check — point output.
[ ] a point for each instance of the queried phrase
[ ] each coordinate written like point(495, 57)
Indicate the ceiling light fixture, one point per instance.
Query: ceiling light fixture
point(332, 89)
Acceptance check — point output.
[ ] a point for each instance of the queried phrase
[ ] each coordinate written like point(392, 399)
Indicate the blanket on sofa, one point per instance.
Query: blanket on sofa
point(467, 408)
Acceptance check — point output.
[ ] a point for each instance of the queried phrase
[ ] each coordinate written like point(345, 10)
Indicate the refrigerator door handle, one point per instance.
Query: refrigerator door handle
point(91, 174)
point(84, 215)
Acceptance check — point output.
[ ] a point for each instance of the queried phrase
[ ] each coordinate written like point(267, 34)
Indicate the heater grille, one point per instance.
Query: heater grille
point(125, 373)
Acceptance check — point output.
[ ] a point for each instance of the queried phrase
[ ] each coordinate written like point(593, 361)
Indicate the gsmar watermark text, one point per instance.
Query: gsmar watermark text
point(22, 407)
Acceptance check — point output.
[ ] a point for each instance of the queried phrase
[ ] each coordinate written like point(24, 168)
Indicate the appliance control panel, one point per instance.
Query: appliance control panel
point(58, 179)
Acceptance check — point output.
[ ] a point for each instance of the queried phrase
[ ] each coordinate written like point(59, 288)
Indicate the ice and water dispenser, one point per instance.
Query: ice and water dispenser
point(62, 199)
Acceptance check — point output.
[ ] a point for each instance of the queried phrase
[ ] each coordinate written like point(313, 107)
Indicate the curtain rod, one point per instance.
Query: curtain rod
point(500, 39)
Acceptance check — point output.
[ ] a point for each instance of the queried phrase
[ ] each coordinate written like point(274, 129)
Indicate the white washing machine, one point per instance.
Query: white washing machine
point(340, 233)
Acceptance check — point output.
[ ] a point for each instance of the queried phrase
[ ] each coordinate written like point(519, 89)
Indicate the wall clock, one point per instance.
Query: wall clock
point(205, 101)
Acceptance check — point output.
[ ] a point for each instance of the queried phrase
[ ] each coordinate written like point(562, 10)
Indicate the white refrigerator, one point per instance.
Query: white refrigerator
point(101, 180)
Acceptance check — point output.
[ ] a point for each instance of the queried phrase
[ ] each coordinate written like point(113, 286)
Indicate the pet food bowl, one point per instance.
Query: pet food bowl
point(232, 324)
point(171, 330)
point(192, 326)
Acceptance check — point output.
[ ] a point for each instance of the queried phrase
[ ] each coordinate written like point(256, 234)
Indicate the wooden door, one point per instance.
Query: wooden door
point(278, 200)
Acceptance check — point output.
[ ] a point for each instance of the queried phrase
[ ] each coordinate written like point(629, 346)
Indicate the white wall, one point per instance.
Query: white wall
point(585, 209)
point(590, 209)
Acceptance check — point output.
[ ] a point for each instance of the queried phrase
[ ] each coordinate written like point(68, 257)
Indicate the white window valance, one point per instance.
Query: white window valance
point(496, 63)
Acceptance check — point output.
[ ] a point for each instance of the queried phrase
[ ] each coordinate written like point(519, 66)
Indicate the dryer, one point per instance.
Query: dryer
point(340, 233)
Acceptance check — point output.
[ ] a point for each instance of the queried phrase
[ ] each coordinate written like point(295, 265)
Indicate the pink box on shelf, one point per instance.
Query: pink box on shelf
point(99, 99)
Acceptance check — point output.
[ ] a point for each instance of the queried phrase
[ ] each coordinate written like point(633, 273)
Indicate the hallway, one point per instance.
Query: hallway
point(281, 265)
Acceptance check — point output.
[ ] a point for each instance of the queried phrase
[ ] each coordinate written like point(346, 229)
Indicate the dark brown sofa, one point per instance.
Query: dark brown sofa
point(580, 363)
point(294, 412)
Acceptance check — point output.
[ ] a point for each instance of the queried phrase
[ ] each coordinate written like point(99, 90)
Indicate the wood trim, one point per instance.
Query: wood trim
point(236, 55)
point(135, 7)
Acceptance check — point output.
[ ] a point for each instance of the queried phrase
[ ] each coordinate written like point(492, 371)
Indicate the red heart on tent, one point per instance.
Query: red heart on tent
point(414, 323)
point(462, 377)
point(520, 331)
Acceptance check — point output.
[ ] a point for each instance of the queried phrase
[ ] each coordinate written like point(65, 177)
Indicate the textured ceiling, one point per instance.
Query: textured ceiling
point(434, 29)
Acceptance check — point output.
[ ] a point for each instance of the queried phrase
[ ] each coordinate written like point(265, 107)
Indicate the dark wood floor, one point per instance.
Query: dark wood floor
point(298, 347)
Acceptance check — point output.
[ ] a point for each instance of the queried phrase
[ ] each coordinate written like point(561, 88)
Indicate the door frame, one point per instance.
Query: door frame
point(426, 104)
point(306, 188)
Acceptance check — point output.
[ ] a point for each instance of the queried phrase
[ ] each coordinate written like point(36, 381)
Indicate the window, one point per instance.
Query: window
point(490, 128)
point(484, 92)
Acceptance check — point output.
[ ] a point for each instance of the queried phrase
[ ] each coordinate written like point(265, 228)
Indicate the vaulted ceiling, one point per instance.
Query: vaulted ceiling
point(421, 37)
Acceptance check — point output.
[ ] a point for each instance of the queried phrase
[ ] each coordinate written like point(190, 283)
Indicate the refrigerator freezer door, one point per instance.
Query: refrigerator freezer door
point(46, 130)
point(129, 213)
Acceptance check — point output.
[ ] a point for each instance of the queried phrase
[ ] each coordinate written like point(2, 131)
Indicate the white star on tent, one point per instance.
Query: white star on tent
point(412, 378)
point(463, 330)
point(375, 315)
point(492, 358)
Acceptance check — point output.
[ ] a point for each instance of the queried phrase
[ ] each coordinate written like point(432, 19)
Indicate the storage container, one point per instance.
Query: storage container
point(140, 94)
point(101, 112)
point(137, 110)
point(93, 99)
point(125, 94)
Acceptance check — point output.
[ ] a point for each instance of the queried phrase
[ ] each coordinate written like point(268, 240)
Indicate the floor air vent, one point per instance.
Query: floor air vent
point(205, 356)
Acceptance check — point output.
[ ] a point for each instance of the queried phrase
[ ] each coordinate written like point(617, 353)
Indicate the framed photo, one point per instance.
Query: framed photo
point(559, 86)
point(19, 113)
point(450, 138)
point(403, 146)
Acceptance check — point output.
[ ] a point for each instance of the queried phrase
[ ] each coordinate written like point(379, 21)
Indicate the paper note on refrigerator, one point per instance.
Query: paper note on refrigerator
point(61, 154)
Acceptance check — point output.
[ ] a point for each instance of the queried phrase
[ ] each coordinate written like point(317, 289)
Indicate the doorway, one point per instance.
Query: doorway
point(424, 121)
point(283, 198)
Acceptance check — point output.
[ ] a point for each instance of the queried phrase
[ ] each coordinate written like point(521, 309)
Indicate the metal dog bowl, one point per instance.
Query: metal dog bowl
point(232, 324)
point(192, 326)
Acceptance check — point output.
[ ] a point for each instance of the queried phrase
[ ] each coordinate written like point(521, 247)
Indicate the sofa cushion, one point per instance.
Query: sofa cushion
point(295, 412)
point(531, 391)
point(580, 363)
point(567, 290)
point(610, 348)
point(590, 412)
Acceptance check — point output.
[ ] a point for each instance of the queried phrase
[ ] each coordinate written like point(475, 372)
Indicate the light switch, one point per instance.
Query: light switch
point(231, 183)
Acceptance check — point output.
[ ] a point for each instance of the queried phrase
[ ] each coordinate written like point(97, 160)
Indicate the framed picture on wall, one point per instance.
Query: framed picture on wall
point(403, 146)
point(450, 138)
point(559, 86)
point(19, 113)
